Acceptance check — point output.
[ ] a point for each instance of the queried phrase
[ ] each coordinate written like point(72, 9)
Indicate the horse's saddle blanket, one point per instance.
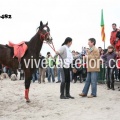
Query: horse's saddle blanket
point(19, 49)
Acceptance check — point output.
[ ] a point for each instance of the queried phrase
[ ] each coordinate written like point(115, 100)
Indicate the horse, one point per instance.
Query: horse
point(33, 51)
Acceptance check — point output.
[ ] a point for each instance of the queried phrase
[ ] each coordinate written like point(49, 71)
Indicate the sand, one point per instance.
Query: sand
point(46, 105)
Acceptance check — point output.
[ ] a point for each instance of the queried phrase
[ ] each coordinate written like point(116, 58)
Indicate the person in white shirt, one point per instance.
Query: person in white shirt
point(67, 59)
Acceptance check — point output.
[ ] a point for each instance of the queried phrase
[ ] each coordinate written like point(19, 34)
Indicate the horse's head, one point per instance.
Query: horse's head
point(44, 32)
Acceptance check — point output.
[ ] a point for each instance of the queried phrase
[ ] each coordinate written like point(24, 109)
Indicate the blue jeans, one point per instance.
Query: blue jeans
point(91, 79)
point(58, 72)
point(116, 73)
point(35, 76)
point(51, 73)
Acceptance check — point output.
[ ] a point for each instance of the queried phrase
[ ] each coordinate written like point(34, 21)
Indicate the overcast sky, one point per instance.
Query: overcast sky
point(79, 19)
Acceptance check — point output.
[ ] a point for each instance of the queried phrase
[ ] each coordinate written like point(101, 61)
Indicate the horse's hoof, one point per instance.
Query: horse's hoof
point(27, 101)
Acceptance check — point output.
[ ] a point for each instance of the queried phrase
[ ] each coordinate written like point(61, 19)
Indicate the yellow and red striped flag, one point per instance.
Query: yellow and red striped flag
point(102, 27)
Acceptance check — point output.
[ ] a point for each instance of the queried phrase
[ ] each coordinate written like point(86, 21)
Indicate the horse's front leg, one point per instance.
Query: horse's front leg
point(27, 87)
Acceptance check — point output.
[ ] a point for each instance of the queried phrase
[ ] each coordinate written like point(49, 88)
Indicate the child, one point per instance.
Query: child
point(110, 58)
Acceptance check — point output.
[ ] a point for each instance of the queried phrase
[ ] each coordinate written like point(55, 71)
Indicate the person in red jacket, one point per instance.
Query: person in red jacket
point(113, 35)
point(117, 45)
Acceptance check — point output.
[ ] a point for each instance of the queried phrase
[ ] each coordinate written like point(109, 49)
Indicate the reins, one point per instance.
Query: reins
point(52, 46)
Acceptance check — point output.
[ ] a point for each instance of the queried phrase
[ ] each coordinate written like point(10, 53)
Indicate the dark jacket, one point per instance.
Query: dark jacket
point(118, 34)
point(107, 57)
point(42, 62)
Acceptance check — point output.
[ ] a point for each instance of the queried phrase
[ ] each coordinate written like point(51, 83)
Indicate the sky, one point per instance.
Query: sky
point(78, 19)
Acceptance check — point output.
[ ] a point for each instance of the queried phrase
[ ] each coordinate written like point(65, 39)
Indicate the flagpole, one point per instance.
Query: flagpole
point(104, 44)
point(102, 25)
point(103, 38)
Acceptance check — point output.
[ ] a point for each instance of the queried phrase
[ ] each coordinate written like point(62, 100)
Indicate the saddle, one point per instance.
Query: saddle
point(19, 49)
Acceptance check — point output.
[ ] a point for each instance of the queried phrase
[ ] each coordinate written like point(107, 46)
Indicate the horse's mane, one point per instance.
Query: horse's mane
point(11, 49)
point(2, 46)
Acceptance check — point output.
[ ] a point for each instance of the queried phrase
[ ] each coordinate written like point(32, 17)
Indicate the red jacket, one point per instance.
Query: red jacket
point(118, 62)
point(113, 37)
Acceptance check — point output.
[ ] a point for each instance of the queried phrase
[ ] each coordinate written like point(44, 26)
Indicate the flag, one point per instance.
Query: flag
point(102, 27)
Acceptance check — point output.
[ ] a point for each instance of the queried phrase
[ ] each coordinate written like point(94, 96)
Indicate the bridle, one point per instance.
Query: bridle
point(43, 35)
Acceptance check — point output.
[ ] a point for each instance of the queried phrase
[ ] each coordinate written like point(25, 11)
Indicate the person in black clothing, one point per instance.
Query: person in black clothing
point(79, 70)
point(110, 66)
point(65, 54)
point(76, 70)
point(118, 34)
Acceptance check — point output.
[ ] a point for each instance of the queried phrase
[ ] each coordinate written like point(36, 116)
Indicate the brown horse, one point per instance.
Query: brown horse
point(34, 47)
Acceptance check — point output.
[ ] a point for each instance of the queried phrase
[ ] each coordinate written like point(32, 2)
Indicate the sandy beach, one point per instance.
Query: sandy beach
point(46, 104)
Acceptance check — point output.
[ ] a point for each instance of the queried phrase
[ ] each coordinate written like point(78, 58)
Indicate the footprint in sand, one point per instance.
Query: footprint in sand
point(108, 108)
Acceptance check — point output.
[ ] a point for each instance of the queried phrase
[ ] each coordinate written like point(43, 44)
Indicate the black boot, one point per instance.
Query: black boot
point(112, 80)
point(62, 88)
point(108, 84)
point(75, 80)
point(112, 86)
point(68, 91)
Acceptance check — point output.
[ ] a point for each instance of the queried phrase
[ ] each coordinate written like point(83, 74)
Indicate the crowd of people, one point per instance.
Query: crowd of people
point(51, 68)
point(5, 69)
